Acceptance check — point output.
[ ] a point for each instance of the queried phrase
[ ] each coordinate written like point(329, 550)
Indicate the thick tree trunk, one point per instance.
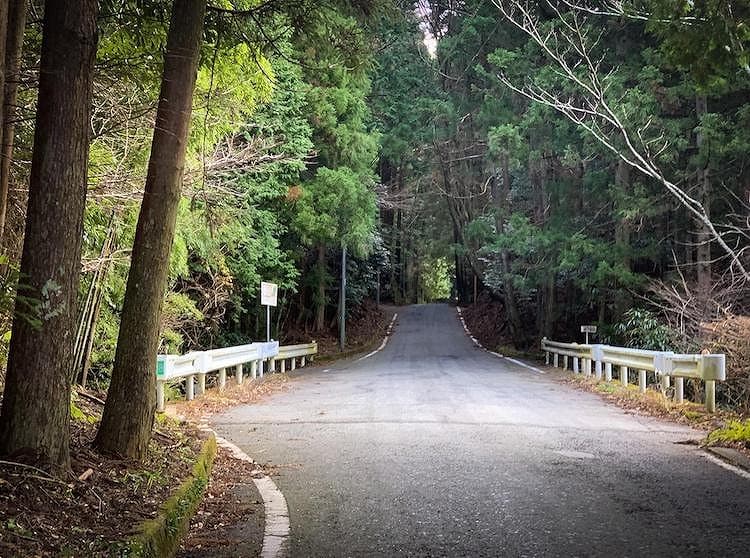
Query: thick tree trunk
point(13, 48)
point(36, 404)
point(320, 302)
point(4, 7)
point(131, 400)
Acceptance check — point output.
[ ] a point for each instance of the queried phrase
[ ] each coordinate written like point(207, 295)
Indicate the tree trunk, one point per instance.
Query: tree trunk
point(622, 224)
point(320, 303)
point(36, 403)
point(393, 281)
point(131, 400)
point(548, 324)
point(4, 8)
point(13, 49)
point(703, 236)
point(515, 324)
point(623, 229)
point(509, 295)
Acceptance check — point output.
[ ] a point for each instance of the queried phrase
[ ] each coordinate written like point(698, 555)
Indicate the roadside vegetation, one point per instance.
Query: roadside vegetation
point(550, 163)
point(102, 504)
point(154, 172)
point(594, 160)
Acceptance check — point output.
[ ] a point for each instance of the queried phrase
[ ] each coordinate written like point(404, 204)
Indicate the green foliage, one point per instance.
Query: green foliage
point(735, 432)
point(274, 134)
point(543, 210)
point(641, 329)
point(336, 207)
point(711, 38)
point(13, 299)
point(436, 280)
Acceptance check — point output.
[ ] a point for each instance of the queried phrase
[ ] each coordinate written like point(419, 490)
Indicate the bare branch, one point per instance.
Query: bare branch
point(591, 108)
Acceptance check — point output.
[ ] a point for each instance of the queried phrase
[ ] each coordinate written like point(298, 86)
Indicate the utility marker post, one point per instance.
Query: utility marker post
point(342, 303)
point(268, 297)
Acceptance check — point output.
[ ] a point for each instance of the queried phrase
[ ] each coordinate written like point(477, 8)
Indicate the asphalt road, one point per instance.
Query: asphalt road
point(433, 447)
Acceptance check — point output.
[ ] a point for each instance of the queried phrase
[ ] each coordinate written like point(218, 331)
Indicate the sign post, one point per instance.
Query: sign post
point(588, 329)
point(268, 297)
point(342, 300)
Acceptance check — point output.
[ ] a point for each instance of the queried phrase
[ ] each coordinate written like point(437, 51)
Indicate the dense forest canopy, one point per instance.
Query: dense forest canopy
point(569, 162)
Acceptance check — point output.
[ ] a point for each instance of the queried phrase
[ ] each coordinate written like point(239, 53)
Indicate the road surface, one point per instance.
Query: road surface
point(433, 447)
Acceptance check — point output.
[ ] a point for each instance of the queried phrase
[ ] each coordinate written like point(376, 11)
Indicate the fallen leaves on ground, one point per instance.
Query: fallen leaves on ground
point(230, 516)
point(214, 401)
point(101, 502)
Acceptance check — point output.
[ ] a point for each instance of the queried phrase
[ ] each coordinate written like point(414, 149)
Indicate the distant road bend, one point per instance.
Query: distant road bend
point(432, 447)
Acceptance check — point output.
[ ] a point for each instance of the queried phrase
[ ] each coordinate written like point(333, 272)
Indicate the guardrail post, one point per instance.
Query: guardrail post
point(201, 384)
point(294, 363)
point(272, 365)
point(238, 374)
point(576, 365)
point(608, 371)
point(261, 366)
point(160, 396)
point(679, 389)
point(222, 378)
point(598, 357)
point(587, 367)
point(665, 382)
point(556, 360)
point(642, 380)
point(302, 364)
point(624, 375)
point(565, 362)
point(546, 357)
point(711, 396)
point(189, 387)
point(283, 365)
point(254, 369)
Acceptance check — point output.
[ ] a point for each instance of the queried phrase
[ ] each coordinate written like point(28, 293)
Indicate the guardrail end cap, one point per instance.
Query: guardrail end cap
point(713, 367)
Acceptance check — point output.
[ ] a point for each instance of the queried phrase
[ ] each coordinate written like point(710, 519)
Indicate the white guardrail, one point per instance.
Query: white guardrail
point(664, 364)
point(196, 364)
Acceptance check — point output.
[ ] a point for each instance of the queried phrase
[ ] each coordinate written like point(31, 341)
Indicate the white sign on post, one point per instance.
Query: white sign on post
point(268, 293)
point(588, 329)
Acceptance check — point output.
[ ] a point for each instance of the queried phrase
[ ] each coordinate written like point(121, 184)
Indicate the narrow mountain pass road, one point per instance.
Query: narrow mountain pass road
point(433, 447)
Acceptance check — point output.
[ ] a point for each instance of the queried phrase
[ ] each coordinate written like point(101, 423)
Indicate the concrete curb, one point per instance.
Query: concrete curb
point(277, 529)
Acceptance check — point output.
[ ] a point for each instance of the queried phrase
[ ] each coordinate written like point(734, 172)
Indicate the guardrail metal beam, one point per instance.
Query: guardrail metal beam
point(664, 364)
point(200, 363)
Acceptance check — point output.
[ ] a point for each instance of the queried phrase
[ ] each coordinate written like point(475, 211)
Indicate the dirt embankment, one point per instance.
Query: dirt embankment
point(486, 321)
point(365, 324)
point(101, 502)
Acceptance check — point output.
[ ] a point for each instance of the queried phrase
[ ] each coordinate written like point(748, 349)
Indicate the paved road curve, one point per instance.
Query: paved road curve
point(433, 447)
